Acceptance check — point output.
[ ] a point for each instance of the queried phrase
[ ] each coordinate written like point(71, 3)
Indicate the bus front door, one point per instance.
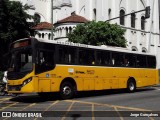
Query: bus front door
point(44, 83)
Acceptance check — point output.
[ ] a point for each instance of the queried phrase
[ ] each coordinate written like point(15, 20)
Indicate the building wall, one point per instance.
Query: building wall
point(41, 7)
point(140, 40)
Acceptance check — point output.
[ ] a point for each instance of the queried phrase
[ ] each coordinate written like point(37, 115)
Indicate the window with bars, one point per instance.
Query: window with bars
point(133, 20)
point(122, 17)
point(143, 23)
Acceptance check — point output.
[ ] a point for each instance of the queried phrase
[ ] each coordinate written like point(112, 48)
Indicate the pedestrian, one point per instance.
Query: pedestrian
point(5, 80)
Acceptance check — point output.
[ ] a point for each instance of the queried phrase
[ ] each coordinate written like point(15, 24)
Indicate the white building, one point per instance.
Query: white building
point(142, 34)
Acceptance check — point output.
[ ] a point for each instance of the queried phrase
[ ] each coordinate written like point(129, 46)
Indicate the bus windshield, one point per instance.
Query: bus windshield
point(21, 61)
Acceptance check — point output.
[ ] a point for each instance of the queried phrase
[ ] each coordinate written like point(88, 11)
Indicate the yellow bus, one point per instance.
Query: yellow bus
point(46, 67)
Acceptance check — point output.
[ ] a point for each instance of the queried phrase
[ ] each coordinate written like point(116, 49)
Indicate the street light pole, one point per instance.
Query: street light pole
point(151, 27)
point(52, 19)
point(125, 15)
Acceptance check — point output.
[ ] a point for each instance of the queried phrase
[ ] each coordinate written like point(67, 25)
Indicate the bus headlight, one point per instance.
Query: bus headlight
point(27, 81)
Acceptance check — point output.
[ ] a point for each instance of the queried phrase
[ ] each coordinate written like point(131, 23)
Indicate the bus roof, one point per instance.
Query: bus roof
point(102, 47)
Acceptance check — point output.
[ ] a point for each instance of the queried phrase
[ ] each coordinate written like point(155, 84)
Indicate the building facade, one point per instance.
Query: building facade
point(142, 34)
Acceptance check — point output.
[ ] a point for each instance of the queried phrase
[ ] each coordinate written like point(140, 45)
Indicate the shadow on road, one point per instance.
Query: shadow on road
point(111, 92)
point(35, 98)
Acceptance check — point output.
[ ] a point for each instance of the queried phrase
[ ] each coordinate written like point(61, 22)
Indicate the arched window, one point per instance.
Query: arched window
point(70, 29)
point(42, 35)
point(60, 32)
point(49, 36)
point(143, 23)
point(109, 13)
point(122, 17)
point(133, 20)
point(144, 50)
point(94, 13)
point(66, 30)
point(39, 35)
point(134, 48)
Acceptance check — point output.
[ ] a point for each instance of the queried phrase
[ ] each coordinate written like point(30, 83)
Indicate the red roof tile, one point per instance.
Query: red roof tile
point(42, 25)
point(74, 19)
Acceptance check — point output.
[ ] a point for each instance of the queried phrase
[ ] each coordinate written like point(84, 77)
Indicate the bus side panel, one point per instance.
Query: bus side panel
point(28, 87)
point(158, 76)
point(44, 85)
point(152, 77)
point(141, 77)
point(55, 84)
point(35, 79)
point(88, 84)
point(105, 76)
point(100, 78)
point(147, 77)
point(119, 77)
point(99, 83)
point(79, 82)
point(123, 75)
point(44, 82)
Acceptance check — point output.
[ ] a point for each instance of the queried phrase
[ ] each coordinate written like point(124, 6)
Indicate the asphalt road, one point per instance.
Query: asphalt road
point(144, 104)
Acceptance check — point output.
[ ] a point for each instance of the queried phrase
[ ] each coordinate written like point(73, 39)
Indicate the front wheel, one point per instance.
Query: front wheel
point(66, 90)
point(131, 85)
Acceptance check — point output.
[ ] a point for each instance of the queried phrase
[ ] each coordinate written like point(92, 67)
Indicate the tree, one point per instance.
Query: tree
point(98, 33)
point(13, 25)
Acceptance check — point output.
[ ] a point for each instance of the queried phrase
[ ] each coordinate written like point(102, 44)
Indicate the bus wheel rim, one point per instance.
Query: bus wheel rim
point(67, 90)
point(131, 86)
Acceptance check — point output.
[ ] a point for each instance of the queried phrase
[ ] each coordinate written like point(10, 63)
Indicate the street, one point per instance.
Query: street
point(111, 104)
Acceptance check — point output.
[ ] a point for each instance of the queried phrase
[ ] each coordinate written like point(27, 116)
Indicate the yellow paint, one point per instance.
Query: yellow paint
point(86, 78)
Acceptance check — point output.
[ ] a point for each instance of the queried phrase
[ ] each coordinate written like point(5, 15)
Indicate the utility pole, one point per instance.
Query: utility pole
point(151, 26)
point(52, 19)
point(147, 15)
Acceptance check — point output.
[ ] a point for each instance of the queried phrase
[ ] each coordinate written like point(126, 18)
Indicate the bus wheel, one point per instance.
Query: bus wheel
point(131, 85)
point(66, 90)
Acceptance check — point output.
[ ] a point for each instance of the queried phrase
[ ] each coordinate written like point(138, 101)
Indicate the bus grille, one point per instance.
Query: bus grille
point(14, 88)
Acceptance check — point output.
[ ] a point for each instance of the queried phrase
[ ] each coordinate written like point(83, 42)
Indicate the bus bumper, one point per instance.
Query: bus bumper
point(29, 87)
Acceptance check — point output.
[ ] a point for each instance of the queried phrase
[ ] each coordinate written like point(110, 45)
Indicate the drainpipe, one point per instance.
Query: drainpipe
point(151, 26)
point(52, 19)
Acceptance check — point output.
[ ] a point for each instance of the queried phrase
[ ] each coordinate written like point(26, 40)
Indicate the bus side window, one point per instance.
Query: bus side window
point(45, 61)
point(67, 55)
point(91, 57)
point(151, 61)
point(86, 57)
point(81, 57)
point(129, 60)
point(72, 55)
point(118, 59)
point(141, 61)
point(103, 58)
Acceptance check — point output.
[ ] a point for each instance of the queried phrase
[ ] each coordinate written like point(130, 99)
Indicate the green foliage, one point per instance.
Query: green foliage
point(13, 24)
point(1, 76)
point(98, 33)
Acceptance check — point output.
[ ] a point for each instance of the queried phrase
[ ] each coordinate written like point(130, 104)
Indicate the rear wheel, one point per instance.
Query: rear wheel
point(131, 85)
point(67, 90)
